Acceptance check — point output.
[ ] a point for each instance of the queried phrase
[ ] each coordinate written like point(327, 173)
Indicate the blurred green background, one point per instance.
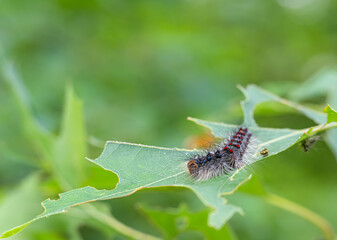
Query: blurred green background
point(141, 68)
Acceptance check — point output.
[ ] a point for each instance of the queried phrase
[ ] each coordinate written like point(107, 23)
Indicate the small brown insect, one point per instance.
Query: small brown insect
point(264, 152)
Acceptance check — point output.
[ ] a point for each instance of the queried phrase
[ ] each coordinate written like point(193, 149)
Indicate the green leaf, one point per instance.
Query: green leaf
point(64, 153)
point(331, 135)
point(174, 223)
point(332, 114)
point(139, 166)
point(255, 95)
point(69, 149)
point(20, 205)
point(40, 139)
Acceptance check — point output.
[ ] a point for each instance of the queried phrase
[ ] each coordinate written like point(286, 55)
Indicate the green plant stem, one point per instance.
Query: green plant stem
point(115, 224)
point(299, 210)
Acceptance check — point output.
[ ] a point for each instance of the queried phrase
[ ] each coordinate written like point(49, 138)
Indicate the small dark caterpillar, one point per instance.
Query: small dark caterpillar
point(309, 142)
point(233, 153)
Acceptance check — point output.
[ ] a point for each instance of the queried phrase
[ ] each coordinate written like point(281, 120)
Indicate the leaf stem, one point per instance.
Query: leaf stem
point(299, 210)
point(115, 224)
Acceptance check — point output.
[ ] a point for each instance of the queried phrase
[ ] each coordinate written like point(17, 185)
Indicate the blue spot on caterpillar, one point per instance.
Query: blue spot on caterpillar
point(233, 153)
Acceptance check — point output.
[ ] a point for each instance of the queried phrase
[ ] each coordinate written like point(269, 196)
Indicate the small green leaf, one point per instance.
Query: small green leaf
point(20, 205)
point(64, 153)
point(69, 149)
point(331, 135)
point(40, 139)
point(332, 114)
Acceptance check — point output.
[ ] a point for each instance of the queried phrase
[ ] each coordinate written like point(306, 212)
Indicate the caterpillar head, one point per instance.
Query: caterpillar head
point(192, 166)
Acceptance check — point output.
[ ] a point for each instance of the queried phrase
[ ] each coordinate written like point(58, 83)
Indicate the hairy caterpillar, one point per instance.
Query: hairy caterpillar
point(231, 154)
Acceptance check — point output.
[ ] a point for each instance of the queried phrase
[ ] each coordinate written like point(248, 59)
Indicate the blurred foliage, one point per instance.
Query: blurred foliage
point(142, 67)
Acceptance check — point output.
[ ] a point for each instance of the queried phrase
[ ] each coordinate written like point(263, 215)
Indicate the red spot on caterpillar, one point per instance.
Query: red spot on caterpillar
point(232, 140)
point(237, 145)
point(239, 141)
point(225, 148)
point(230, 150)
point(230, 144)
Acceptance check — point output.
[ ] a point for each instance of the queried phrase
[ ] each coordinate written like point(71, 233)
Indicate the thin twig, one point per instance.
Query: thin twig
point(115, 224)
